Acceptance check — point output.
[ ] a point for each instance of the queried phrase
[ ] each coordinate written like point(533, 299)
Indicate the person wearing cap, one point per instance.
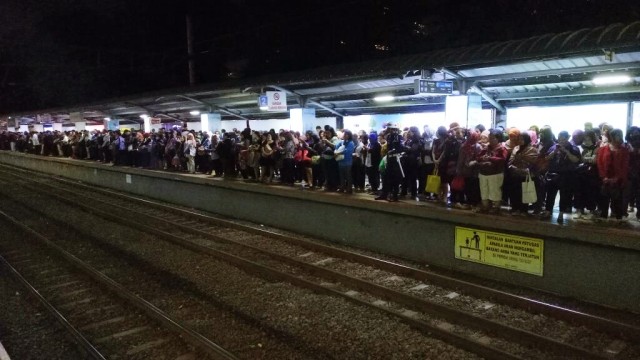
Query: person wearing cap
point(394, 173)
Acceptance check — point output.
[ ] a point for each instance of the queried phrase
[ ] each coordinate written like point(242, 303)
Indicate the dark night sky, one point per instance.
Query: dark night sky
point(64, 52)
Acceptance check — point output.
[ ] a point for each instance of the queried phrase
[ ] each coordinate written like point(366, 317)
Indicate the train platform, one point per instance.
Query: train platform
point(594, 262)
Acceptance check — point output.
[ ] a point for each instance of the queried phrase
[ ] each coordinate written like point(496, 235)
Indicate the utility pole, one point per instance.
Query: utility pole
point(192, 65)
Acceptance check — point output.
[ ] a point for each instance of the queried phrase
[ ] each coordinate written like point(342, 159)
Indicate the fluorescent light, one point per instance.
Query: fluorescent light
point(108, 118)
point(384, 98)
point(194, 112)
point(611, 79)
point(144, 116)
point(264, 108)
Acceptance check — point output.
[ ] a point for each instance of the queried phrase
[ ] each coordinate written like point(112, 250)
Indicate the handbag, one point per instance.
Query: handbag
point(457, 184)
point(433, 182)
point(552, 178)
point(529, 195)
point(582, 169)
point(382, 167)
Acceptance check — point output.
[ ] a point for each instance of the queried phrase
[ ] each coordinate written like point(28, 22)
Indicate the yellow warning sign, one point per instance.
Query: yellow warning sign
point(502, 250)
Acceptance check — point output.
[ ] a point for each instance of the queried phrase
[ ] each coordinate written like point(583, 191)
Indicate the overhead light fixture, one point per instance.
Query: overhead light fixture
point(384, 98)
point(108, 118)
point(611, 79)
point(194, 112)
point(144, 116)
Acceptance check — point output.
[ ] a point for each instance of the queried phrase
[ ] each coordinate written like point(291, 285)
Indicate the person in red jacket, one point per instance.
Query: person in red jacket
point(491, 163)
point(613, 168)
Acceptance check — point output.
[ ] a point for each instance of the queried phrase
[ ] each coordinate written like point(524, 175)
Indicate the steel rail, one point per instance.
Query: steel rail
point(84, 344)
point(190, 335)
point(271, 274)
point(451, 314)
point(609, 326)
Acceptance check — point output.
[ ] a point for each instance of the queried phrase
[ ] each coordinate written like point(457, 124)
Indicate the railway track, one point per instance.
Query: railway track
point(413, 295)
point(272, 303)
point(104, 319)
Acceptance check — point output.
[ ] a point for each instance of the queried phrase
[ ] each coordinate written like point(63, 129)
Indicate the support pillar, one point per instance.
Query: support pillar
point(466, 110)
point(302, 119)
point(78, 120)
point(211, 122)
point(499, 119)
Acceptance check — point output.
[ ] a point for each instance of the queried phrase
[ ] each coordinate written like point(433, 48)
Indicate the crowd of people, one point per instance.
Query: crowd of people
point(594, 170)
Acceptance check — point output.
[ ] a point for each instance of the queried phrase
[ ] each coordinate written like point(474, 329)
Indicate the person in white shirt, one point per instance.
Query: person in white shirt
point(37, 148)
point(190, 153)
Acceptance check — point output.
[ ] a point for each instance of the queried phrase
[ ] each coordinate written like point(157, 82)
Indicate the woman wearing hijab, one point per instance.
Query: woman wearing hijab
point(613, 168)
point(427, 166)
point(520, 165)
point(491, 163)
point(414, 147)
point(587, 179)
point(563, 158)
point(345, 162)
point(372, 162)
point(469, 196)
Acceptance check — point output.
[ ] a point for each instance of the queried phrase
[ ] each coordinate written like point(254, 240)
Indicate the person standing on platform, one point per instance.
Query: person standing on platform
point(120, 148)
point(287, 176)
point(344, 150)
point(563, 158)
point(632, 200)
point(35, 142)
point(613, 167)
point(427, 166)
point(587, 179)
point(329, 164)
point(359, 157)
point(413, 160)
point(372, 162)
point(216, 163)
point(394, 173)
point(491, 163)
point(190, 153)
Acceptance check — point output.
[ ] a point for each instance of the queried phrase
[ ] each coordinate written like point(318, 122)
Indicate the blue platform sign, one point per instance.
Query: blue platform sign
point(423, 86)
point(263, 101)
point(113, 125)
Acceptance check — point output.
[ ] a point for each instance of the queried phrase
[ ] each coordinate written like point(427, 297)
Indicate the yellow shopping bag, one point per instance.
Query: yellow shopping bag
point(433, 182)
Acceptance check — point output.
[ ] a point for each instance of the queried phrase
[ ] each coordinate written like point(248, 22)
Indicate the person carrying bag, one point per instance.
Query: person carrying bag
point(529, 195)
point(433, 182)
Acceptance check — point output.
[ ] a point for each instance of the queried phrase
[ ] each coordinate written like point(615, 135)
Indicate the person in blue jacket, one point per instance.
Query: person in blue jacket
point(344, 157)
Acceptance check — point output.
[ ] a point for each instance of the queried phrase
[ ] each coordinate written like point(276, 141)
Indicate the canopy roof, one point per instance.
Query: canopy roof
point(546, 69)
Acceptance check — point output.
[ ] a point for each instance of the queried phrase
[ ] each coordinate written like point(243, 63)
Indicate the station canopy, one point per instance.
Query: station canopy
point(542, 70)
